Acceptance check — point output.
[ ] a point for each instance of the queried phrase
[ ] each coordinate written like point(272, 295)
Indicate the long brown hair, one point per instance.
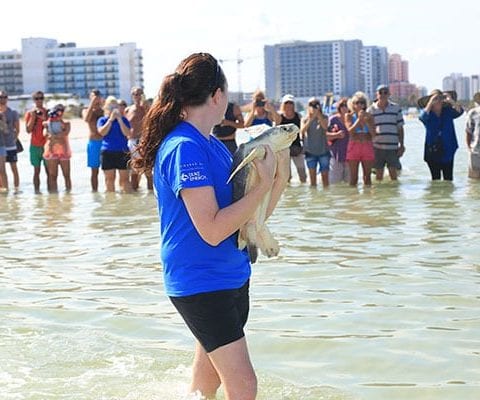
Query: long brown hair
point(196, 78)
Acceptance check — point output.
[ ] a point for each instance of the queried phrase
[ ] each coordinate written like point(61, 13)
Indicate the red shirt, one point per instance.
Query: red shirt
point(37, 133)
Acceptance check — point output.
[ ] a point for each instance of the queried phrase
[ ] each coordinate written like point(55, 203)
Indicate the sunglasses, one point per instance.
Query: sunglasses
point(3, 97)
point(38, 98)
point(360, 102)
point(383, 91)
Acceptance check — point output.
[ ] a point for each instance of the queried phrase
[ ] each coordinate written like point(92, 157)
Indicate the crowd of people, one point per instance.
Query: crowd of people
point(114, 130)
point(333, 146)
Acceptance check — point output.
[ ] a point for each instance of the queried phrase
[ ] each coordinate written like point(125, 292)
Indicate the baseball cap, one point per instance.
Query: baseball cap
point(287, 98)
point(382, 87)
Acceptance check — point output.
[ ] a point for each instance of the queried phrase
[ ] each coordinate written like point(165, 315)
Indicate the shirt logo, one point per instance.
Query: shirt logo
point(192, 176)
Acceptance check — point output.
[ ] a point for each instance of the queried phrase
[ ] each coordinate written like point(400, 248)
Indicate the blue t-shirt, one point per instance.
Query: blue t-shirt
point(260, 121)
point(187, 159)
point(114, 140)
point(444, 124)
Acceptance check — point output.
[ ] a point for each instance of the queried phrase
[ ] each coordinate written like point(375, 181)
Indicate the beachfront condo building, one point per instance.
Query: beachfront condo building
point(459, 83)
point(11, 78)
point(374, 62)
point(341, 67)
point(53, 67)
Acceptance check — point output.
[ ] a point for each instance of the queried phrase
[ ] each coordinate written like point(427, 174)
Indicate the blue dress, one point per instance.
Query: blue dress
point(442, 124)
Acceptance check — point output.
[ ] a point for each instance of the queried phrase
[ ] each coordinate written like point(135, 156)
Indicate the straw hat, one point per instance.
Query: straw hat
point(423, 101)
point(476, 98)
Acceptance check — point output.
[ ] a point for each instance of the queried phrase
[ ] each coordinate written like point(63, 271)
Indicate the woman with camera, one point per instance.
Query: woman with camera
point(261, 112)
point(57, 148)
point(115, 130)
point(361, 127)
point(440, 109)
point(313, 131)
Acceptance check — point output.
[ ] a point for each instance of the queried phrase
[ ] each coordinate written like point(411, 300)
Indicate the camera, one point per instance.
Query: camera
point(52, 113)
point(56, 111)
point(260, 103)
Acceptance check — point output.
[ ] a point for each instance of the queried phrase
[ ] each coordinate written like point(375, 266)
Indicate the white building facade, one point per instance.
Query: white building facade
point(54, 67)
point(340, 67)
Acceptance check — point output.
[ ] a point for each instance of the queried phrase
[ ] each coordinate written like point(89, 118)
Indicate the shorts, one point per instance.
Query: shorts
point(12, 156)
point(94, 148)
point(36, 155)
point(114, 159)
point(388, 157)
point(474, 165)
point(323, 161)
point(360, 151)
point(57, 151)
point(215, 318)
point(132, 146)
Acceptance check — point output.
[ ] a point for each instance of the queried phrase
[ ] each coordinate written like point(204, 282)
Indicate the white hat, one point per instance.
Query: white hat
point(287, 98)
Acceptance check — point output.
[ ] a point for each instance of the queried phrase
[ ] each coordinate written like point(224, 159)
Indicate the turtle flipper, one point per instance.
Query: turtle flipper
point(257, 152)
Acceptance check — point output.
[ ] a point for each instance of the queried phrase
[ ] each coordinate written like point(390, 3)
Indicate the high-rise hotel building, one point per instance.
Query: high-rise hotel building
point(52, 67)
point(307, 69)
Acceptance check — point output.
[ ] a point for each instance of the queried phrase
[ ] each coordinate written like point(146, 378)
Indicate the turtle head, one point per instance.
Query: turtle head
point(285, 135)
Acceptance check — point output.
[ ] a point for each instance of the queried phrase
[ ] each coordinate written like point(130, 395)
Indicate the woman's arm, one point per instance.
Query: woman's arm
point(214, 224)
point(351, 126)
point(272, 115)
point(323, 121)
point(250, 116)
point(127, 132)
point(66, 128)
point(105, 128)
point(304, 125)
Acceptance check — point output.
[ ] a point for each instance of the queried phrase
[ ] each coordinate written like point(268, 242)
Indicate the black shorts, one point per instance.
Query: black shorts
point(12, 156)
point(215, 318)
point(114, 159)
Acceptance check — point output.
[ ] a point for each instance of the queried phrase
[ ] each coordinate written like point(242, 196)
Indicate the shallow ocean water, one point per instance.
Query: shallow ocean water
point(375, 294)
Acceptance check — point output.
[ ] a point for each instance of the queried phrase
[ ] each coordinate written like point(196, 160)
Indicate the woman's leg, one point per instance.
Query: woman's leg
point(3, 174)
point(367, 172)
point(16, 177)
point(312, 173)
point(52, 168)
point(325, 179)
point(434, 170)
point(109, 180)
point(204, 376)
point(233, 365)
point(447, 170)
point(65, 165)
point(125, 183)
point(353, 165)
point(299, 162)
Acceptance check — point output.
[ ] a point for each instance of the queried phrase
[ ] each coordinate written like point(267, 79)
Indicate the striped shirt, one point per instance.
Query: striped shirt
point(387, 124)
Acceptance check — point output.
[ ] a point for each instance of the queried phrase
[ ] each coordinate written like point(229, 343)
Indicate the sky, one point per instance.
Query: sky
point(436, 37)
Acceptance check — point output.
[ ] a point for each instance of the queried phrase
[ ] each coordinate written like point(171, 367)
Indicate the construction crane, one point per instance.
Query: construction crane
point(239, 60)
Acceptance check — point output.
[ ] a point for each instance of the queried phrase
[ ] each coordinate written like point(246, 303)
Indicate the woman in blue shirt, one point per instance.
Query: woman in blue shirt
point(206, 276)
point(115, 130)
point(438, 115)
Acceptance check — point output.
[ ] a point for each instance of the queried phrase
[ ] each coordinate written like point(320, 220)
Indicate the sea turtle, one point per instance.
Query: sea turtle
point(255, 234)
